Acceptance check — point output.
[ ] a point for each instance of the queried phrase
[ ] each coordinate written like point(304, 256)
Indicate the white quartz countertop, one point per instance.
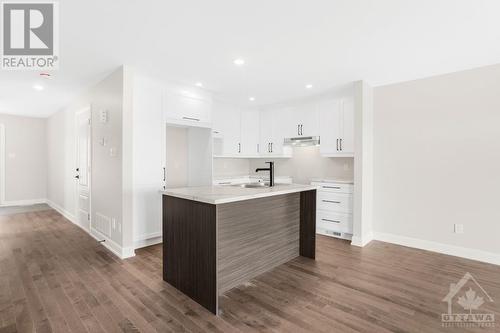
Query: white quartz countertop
point(224, 194)
point(332, 180)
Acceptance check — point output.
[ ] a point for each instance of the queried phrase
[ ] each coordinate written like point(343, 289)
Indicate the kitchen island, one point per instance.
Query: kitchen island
point(218, 237)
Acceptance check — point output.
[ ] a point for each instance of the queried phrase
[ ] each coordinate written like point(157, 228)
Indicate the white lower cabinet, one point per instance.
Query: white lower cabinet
point(334, 209)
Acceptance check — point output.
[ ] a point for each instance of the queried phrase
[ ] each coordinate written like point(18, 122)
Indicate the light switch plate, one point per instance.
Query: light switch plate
point(459, 228)
point(103, 116)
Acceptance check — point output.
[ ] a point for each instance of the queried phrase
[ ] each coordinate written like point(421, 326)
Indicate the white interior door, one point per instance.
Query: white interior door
point(83, 162)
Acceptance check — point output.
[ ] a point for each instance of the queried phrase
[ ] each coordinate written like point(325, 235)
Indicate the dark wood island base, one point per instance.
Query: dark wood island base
point(211, 248)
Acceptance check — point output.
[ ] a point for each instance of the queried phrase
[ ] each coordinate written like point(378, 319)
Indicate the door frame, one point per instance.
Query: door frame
point(77, 190)
point(2, 164)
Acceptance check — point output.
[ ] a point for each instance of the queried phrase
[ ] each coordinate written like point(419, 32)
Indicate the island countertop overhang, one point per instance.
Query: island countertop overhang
point(217, 194)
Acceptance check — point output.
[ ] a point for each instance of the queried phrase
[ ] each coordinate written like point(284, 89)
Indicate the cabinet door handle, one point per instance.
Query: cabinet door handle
point(189, 118)
point(258, 148)
point(337, 144)
point(271, 147)
point(298, 129)
point(330, 201)
point(268, 147)
point(302, 129)
point(334, 187)
point(340, 144)
point(164, 174)
point(239, 147)
point(327, 220)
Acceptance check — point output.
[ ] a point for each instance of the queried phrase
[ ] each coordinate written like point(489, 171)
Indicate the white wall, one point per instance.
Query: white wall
point(25, 159)
point(306, 164)
point(231, 167)
point(107, 176)
point(437, 161)
point(177, 156)
point(363, 164)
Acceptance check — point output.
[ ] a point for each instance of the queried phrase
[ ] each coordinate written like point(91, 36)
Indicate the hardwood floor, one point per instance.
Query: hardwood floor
point(56, 278)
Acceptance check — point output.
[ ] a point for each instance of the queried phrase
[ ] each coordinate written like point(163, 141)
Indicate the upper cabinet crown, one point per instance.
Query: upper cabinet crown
point(337, 127)
point(187, 106)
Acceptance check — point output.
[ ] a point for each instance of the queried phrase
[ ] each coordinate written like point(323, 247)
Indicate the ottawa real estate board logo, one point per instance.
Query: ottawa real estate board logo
point(30, 35)
point(465, 300)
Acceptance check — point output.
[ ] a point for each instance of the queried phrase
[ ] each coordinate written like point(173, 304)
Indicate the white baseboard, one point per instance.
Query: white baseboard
point(62, 211)
point(148, 240)
point(362, 240)
point(457, 251)
point(112, 246)
point(23, 202)
point(119, 251)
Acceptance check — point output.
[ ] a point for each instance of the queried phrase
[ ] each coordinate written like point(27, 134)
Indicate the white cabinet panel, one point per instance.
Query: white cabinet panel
point(273, 133)
point(306, 120)
point(226, 124)
point(266, 132)
point(329, 126)
point(347, 143)
point(337, 127)
point(182, 107)
point(250, 124)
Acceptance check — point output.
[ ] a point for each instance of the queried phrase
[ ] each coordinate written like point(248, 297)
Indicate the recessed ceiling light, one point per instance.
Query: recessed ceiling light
point(309, 86)
point(251, 99)
point(38, 87)
point(199, 84)
point(239, 62)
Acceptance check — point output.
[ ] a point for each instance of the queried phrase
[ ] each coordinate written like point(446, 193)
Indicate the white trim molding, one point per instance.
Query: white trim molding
point(148, 240)
point(23, 202)
point(457, 251)
point(112, 246)
point(361, 241)
point(119, 251)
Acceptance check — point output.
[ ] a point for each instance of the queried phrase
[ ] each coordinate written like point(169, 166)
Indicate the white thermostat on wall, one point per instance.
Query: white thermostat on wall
point(104, 116)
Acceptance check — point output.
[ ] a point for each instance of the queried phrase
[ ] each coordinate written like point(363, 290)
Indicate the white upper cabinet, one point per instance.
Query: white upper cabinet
point(266, 132)
point(304, 120)
point(187, 106)
point(250, 133)
point(273, 133)
point(227, 130)
point(337, 127)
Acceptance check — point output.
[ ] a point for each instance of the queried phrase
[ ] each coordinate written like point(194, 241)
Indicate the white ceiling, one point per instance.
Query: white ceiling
point(286, 44)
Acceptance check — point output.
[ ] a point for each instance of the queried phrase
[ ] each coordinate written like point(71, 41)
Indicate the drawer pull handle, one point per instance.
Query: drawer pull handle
point(327, 220)
point(334, 187)
point(330, 201)
point(189, 118)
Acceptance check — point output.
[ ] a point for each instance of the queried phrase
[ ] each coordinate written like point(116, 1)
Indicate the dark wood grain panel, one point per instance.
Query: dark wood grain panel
point(308, 224)
point(189, 249)
point(254, 236)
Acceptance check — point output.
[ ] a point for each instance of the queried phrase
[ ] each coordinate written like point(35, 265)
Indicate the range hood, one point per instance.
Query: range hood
point(302, 141)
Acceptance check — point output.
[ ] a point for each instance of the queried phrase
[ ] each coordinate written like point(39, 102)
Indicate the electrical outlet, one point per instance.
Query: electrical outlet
point(459, 228)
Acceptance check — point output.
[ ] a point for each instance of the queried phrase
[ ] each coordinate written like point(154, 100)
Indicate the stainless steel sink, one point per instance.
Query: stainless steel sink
point(253, 185)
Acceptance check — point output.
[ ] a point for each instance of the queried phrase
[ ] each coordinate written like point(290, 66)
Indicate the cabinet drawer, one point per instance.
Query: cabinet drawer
point(334, 221)
point(334, 187)
point(335, 202)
